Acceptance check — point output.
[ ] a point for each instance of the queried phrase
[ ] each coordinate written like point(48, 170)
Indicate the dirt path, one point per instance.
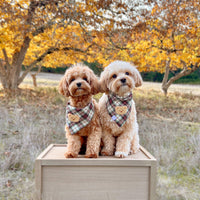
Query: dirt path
point(50, 79)
point(182, 88)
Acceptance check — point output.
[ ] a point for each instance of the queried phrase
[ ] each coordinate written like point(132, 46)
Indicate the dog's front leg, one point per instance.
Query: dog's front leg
point(108, 144)
point(93, 143)
point(135, 143)
point(73, 146)
point(123, 145)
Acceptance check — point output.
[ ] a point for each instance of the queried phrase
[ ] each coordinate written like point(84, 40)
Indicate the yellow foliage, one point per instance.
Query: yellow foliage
point(152, 51)
point(149, 48)
point(64, 31)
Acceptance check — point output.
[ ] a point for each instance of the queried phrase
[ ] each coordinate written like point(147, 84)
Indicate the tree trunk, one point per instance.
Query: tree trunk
point(34, 76)
point(34, 80)
point(9, 82)
point(10, 73)
point(166, 83)
point(166, 76)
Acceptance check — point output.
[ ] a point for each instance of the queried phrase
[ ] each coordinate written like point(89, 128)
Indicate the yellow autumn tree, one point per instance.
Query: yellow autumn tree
point(167, 39)
point(52, 33)
point(170, 42)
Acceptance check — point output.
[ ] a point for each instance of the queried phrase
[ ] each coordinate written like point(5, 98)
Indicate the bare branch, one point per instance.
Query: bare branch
point(5, 68)
point(2, 69)
point(32, 65)
point(167, 49)
point(47, 52)
point(42, 28)
point(6, 57)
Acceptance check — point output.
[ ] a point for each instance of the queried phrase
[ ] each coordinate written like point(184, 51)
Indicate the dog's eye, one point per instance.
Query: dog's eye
point(85, 79)
point(127, 73)
point(73, 79)
point(114, 76)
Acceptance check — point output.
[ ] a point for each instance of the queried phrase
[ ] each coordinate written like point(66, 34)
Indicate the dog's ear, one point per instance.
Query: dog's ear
point(103, 82)
point(94, 82)
point(63, 87)
point(137, 77)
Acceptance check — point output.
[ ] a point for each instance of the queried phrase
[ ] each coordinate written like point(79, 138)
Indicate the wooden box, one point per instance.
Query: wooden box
point(103, 178)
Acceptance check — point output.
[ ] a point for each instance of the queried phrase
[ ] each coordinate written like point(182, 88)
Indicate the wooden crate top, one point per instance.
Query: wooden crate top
point(54, 155)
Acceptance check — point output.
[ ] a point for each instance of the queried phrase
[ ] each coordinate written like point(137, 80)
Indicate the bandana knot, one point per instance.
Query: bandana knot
point(119, 108)
point(78, 118)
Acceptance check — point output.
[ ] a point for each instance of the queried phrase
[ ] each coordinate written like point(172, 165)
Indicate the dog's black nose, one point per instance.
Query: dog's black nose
point(78, 84)
point(123, 80)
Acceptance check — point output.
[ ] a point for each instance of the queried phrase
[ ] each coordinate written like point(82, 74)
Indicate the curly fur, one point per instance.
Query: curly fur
point(80, 97)
point(124, 140)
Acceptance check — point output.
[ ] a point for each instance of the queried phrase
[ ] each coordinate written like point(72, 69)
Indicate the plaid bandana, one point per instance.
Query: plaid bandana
point(119, 108)
point(77, 118)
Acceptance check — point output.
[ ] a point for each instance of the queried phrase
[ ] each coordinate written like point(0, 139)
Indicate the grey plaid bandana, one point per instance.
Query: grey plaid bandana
point(119, 108)
point(77, 118)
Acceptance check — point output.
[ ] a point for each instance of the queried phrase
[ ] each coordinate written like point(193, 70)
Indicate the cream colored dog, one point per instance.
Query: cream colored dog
point(117, 109)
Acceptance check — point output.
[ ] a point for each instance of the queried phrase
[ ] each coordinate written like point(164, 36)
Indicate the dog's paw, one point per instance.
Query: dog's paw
point(70, 155)
point(120, 154)
point(134, 150)
point(106, 153)
point(93, 155)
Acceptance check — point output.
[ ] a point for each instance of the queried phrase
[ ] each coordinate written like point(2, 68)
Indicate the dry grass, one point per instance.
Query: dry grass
point(28, 125)
point(169, 129)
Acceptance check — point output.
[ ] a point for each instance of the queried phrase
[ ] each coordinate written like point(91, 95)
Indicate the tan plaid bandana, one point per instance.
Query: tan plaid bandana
point(77, 118)
point(119, 108)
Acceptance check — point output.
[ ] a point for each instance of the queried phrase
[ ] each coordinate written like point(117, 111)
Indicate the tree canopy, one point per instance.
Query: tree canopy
point(156, 35)
point(173, 40)
point(52, 32)
point(167, 40)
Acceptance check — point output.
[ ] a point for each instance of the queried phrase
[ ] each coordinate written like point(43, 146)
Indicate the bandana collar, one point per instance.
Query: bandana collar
point(78, 118)
point(119, 108)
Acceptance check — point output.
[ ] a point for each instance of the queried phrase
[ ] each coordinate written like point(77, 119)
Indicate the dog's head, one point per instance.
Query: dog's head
point(78, 80)
point(120, 77)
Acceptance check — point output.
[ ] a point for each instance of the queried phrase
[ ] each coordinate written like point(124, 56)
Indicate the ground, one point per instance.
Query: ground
point(46, 79)
point(169, 130)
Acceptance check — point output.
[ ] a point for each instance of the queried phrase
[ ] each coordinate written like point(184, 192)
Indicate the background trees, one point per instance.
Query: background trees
point(160, 36)
point(51, 33)
point(171, 41)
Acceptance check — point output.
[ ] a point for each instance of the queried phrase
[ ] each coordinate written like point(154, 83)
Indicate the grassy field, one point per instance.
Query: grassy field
point(169, 129)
